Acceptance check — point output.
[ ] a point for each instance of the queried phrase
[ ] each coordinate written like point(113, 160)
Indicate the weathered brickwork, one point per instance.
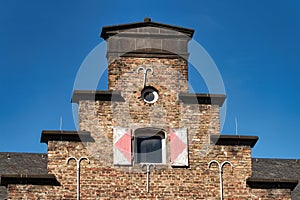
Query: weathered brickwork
point(168, 74)
point(101, 179)
point(277, 194)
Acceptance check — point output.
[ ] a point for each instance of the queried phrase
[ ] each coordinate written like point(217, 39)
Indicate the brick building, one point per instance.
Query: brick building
point(147, 137)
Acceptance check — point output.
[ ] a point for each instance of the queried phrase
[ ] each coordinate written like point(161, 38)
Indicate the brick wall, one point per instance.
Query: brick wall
point(193, 182)
point(168, 74)
point(99, 181)
point(276, 194)
point(102, 180)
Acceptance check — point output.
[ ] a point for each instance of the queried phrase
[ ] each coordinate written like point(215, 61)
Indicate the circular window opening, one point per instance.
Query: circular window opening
point(149, 95)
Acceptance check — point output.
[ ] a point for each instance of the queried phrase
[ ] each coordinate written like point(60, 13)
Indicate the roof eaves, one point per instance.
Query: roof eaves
point(96, 95)
point(197, 98)
point(58, 135)
point(234, 140)
point(46, 179)
point(262, 183)
point(105, 29)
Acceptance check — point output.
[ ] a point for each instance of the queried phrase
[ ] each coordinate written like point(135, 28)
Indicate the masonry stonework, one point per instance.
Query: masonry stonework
point(102, 179)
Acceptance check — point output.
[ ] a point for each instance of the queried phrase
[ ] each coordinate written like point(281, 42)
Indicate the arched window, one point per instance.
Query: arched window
point(149, 145)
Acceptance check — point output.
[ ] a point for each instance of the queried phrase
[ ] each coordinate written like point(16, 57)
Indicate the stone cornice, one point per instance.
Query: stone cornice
point(96, 95)
point(234, 140)
point(272, 183)
point(213, 99)
point(74, 136)
point(46, 179)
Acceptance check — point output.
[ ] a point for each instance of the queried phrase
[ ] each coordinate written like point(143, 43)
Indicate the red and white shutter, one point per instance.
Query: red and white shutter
point(179, 147)
point(122, 146)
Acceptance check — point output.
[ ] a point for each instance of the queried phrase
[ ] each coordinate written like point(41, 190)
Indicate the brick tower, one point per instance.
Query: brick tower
point(147, 137)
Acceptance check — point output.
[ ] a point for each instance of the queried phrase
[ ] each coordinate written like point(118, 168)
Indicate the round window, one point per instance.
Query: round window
point(149, 95)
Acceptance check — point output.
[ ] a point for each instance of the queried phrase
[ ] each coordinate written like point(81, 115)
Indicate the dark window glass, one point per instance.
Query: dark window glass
point(149, 149)
point(149, 96)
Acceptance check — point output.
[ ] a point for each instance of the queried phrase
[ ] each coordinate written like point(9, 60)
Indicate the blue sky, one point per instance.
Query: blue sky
point(255, 44)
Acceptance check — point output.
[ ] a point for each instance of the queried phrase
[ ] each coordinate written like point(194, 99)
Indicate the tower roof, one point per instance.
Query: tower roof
point(108, 31)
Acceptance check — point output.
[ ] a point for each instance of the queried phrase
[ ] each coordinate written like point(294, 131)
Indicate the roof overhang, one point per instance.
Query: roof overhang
point(108, 31)
point(74, 136)
point(213, 99)
point(261, 183)
point(46, 179)
point(234, 140)
point(96, 95)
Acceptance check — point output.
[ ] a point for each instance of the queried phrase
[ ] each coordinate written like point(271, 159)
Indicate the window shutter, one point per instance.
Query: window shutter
point(122, 146)
point(179, 147)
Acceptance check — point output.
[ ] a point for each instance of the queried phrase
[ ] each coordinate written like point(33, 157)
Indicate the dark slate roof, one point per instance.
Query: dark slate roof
point(21, 163)
point(278, 169)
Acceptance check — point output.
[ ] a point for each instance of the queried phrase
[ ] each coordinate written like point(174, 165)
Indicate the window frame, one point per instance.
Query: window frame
point(149, 132)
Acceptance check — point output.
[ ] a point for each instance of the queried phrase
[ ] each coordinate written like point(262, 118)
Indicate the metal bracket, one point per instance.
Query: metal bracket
point(78, 161)
point(220, 173)
point(145, 71)
point(148, 166)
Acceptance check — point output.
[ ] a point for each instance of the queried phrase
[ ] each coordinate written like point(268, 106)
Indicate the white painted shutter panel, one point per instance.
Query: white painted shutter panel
point(179, 147)
point(122, 146)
